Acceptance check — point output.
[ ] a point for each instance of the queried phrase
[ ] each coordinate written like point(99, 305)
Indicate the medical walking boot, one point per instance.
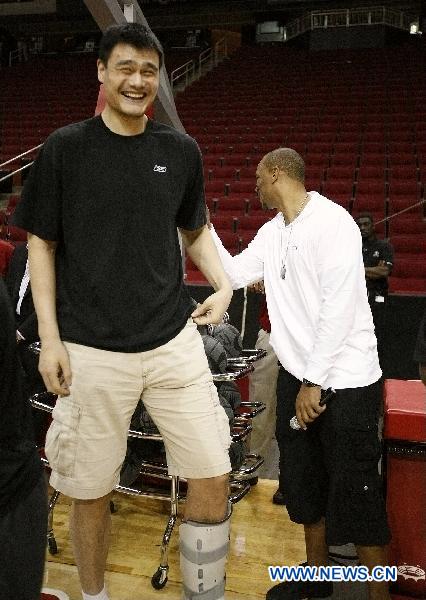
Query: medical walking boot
point(203, 551)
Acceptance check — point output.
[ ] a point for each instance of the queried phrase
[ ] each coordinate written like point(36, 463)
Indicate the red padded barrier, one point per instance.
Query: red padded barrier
point(405, 410)
point(405, 419)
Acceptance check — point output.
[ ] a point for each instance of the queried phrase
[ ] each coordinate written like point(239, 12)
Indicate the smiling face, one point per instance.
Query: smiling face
point(130, 79)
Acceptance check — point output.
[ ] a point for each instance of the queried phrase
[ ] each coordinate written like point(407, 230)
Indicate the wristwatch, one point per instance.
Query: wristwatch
point(310, 383)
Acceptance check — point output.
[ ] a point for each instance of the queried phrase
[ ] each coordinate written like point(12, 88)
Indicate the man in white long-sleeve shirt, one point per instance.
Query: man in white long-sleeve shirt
point(310, 258)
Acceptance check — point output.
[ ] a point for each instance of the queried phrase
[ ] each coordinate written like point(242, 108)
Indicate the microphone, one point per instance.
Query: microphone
point(326, 395)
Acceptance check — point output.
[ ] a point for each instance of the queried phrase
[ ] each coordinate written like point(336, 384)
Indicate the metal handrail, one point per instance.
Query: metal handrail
point(186, 70)
point(205, 55)
point(207, 59)
point(15, 158)
point(15, 55)
point(346, 17)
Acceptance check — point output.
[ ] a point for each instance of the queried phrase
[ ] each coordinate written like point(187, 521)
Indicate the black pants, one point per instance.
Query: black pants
point(23, 546)
point(378, 310)
point(330, 470)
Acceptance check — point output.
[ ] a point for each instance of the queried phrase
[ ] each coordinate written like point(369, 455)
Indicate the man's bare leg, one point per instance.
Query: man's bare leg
point(90, 526)
point(373, 556)
point(207, 499)
point(316, 547)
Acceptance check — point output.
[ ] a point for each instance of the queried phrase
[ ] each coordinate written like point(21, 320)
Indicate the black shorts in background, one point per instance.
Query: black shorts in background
point(331, 469)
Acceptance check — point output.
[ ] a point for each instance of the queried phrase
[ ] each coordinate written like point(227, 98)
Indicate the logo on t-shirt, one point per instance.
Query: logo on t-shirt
point(159, 169)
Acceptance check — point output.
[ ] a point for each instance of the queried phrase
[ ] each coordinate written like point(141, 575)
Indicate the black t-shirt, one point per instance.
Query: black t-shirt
point(373, 251)
point(20, 466)
point(420, 349)
point(113, 204)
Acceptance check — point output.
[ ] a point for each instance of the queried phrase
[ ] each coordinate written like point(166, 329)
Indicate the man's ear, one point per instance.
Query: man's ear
point(101, 70)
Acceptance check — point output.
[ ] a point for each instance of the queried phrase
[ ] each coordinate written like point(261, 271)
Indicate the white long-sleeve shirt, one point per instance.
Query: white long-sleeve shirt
point(321, 323)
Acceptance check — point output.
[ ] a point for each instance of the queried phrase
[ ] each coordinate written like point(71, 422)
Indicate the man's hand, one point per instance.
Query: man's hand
point(54, 367)
point(307, 405)
point(213, 308)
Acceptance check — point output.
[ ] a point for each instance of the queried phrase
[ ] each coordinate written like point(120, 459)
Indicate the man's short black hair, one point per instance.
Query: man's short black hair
point(134, 34)
point(365, 215)
point(287, 160)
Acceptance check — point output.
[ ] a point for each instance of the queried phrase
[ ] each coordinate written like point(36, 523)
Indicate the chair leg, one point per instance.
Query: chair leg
point(51, 542)
point(159, 579)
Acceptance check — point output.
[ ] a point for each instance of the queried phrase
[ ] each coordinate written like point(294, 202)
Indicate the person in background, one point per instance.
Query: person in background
point(263, 388)
point(19, 288)
point(103, 203)
point(420, 349)
point(310, 259)
point(378, 262)
point(23, 496)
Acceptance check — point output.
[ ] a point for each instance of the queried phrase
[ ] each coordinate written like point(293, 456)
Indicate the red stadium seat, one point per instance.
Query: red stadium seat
point(412, 244)
point(239, 204)
point(247, 173)
point(253, 222)
point(224, 173)
point(246, 186)
point(408, 274)
point(340, 192)
point(6, 251)
point(341, 172)
point(224, 222)
point(231, 241)
point(215, 186)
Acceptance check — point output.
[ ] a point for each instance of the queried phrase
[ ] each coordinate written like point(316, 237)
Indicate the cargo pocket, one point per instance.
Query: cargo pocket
point(61, 438)
point(361, 481)
point(365, 500)
point(365, 447)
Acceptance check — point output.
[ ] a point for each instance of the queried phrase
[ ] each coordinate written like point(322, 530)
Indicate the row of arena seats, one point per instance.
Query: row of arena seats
point(408, 236)
point(367, 195)
point(399, 153)
point(397, 173)
point(362, 136)
point(408, 274)
point(320, 159)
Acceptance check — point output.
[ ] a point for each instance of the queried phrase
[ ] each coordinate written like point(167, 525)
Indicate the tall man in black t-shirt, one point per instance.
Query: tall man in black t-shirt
point(102, 205)
point(378, 262)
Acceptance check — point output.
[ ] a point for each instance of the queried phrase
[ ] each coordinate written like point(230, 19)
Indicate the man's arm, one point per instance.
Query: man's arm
point(54, 363)
point(202, 251)
point(385, 264)
point(378, 272)
point(244, 268)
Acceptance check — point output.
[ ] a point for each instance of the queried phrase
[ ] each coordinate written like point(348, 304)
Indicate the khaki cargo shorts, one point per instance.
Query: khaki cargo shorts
point(87, 440)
